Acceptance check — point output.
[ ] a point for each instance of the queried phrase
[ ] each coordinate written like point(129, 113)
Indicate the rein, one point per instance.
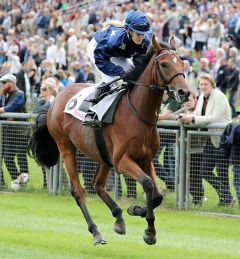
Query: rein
point(137, 114)
point(166, 86)
point(153, 87)
point(166, 83)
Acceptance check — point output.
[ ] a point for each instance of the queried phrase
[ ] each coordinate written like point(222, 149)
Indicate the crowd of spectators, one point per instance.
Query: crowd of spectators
point(41, 38)
point(48, 39)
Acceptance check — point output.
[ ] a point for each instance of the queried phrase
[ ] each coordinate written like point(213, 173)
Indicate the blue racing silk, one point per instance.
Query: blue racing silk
point(115, 42)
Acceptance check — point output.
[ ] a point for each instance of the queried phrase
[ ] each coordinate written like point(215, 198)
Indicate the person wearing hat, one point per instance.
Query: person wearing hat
point(13, 100)
point(114, 48)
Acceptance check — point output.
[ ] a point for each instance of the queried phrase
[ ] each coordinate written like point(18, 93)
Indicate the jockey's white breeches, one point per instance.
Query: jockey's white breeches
point(126, 64)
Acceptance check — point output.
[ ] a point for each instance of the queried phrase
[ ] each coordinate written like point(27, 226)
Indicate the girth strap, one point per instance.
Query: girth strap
point(102, 145)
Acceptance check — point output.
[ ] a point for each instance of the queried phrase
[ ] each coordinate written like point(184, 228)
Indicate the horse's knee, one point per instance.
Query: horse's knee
point(157, 200)
point(78, 194)
point(72, 191)
point(147, 184)
point(98, 188)
point(150, 218)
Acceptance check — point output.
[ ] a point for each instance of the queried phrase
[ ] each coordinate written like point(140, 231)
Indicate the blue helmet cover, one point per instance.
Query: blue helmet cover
point(138, 22)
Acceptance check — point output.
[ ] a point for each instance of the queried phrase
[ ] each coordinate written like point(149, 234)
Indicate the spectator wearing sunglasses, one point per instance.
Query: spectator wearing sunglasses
point(13, 100)
point(114, 48)
point(46, 97)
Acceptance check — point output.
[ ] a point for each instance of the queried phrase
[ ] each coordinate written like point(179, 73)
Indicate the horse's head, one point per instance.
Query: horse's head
point(168, 70)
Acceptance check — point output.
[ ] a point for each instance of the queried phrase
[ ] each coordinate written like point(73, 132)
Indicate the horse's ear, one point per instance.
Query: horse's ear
point(156, 46)
point(172, 42)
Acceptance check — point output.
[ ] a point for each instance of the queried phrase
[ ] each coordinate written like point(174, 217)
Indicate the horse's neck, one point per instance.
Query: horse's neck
point(146, 101)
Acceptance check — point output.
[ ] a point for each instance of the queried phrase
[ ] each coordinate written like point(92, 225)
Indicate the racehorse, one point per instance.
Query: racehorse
point(132, 140)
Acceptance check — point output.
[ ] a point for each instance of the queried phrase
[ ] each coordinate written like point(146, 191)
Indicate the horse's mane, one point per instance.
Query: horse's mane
point(141, 62)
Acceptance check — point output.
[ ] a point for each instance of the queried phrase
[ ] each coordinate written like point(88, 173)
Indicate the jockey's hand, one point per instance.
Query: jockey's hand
point(121, 82)
point(124, 77)
point(117, 84)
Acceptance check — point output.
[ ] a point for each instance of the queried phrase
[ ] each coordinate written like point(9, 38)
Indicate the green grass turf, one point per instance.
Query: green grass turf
point(43, 226)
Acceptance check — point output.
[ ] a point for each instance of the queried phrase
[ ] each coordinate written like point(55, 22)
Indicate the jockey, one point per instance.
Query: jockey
point(113, 47)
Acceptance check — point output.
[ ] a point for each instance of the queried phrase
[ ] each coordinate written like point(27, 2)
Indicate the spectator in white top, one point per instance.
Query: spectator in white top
point(172, 19)
point(60, 59)
point(212, 107)
point(51, 51)
point(220, 54)
point(199, 36)
point(72, 45)
point(214, 31)
point(233, 53)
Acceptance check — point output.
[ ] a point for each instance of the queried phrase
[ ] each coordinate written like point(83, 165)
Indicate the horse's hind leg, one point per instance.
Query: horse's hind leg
point(69, 156)
point(99, 182)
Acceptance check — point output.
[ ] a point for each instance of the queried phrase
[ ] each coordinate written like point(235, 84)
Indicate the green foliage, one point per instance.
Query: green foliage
point(42, 226)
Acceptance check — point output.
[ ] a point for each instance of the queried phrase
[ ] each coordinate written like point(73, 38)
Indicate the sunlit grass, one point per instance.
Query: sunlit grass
point(43, 226)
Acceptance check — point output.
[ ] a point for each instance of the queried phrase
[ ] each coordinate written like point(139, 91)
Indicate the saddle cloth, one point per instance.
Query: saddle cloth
point(80, 103)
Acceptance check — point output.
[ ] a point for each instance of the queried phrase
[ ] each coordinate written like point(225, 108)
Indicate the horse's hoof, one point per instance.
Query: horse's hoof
point(149, 238)
point(119, 228)
point(134, 210)
point(99, 240)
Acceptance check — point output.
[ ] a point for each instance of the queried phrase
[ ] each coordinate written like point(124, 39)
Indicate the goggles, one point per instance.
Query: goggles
point(141, 26)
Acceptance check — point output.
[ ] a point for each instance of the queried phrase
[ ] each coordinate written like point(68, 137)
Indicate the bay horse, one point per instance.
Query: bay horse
point(132, 140)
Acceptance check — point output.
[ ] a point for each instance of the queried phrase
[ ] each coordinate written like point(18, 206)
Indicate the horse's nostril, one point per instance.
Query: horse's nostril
point(181, 92)
point(183, 95)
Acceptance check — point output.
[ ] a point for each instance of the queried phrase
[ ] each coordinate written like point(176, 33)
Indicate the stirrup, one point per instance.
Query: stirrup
point(91, 120)
point(92, 123)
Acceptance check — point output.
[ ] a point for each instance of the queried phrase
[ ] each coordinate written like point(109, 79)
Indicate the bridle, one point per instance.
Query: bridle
point(165, 87)
point(166, 82)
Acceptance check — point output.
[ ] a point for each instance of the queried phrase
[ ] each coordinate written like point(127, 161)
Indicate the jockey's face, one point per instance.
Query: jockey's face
point(136, 37)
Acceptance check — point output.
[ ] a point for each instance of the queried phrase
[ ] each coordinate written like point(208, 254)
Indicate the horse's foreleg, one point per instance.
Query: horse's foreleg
point(127, 166)
point(99, 183)
point(78, 193)
point(157, 197)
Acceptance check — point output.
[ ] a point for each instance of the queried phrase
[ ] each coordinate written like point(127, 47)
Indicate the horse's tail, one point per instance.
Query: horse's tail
point(42, 147)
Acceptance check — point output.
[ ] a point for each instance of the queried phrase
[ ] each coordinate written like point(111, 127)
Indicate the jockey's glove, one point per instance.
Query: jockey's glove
point(124, 77)
point(120, 82)
point(117, 84)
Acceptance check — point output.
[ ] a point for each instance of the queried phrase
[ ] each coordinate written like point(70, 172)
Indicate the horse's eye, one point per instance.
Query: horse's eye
point(163, 65)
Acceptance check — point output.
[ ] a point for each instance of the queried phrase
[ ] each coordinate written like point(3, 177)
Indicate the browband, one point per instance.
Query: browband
point(167, 51)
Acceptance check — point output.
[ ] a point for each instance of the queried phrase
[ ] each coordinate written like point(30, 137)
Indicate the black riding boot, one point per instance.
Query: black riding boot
point(91, 117)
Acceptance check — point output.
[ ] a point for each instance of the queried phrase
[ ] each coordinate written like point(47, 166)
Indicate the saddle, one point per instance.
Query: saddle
point(104, 107)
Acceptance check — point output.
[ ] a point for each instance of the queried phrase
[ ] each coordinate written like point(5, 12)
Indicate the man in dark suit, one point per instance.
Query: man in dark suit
point(232, 83)
point(21, 81)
